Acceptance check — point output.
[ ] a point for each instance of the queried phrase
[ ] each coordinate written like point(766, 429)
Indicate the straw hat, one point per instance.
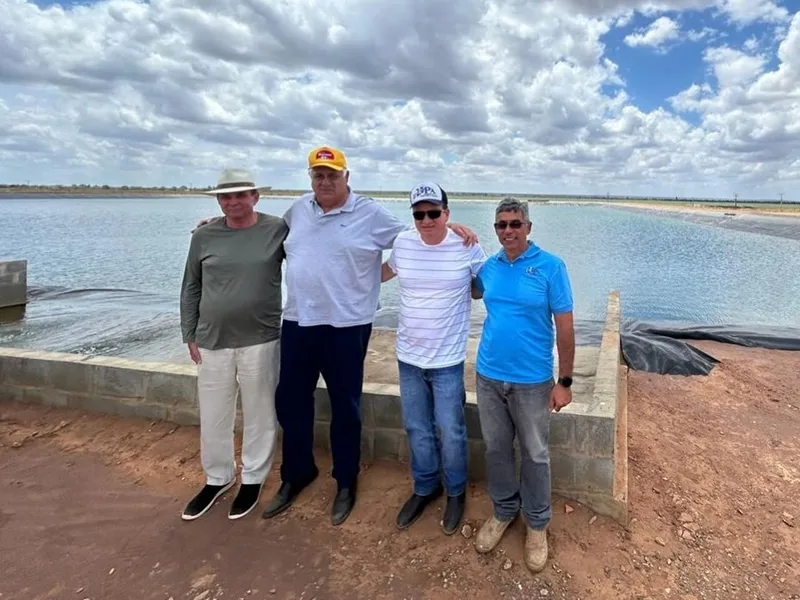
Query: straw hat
point(234, 180)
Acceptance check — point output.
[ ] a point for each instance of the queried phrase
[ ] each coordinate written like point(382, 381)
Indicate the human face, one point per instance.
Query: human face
point(514, 241)
point(238, 205)
point(430, 226)
point(330, 186)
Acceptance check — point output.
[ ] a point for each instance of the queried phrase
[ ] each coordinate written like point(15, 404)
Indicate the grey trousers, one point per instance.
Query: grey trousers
point(507, 410)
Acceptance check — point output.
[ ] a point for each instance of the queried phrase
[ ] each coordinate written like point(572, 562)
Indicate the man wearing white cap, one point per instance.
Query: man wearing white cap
point(435, 272)
point(230, 320)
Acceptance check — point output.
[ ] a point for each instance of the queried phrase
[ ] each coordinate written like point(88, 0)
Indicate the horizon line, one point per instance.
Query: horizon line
point(21, 187)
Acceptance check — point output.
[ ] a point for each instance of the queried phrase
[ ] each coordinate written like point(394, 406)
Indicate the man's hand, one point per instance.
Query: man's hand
point(475, 291)
point(469, 236)
point(194, 353)
point(560, 397)
point(205, 221)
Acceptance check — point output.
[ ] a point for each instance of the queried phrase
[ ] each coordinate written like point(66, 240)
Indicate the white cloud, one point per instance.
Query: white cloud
point(752, 118)
point(732, 67)
point(751, 44)
point(480, 94)
point(740, 12)
point(744, 12)
point(706, 33)
point(659, 32)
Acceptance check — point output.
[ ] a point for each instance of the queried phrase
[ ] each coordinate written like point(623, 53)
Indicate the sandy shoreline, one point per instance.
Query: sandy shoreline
point(786, 211)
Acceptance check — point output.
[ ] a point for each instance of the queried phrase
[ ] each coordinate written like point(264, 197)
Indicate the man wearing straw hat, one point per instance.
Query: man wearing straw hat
point(230, 320)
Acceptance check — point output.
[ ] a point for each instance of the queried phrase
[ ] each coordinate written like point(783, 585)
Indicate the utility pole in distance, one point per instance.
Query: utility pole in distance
point(735, 200)
point(781, 198)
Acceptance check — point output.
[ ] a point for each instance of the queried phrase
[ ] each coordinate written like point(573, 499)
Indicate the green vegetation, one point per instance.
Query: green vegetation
point(93, 190)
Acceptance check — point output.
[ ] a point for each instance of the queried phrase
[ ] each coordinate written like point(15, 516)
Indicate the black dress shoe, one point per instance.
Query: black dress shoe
point(285, 496)
point(343, 504)
point(453, 513)
point(413, 508)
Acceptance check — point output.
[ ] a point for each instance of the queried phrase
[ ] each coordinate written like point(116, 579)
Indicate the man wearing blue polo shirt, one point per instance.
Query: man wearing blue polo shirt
point(526, 290)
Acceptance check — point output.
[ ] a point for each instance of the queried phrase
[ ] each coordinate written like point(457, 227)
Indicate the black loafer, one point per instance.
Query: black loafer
point(343, 504)
point(414, 507)
point(245, 501)
point(453, 513)
point(285, 496)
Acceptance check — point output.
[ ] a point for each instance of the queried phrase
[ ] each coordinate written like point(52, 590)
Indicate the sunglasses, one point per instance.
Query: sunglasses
point(433, 214)
point(502, 225)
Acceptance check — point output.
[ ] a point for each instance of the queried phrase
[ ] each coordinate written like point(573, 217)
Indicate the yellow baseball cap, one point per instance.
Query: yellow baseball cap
point(325, 156)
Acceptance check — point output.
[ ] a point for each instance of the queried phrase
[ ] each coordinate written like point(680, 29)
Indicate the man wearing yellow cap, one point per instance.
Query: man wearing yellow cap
point(334, 252)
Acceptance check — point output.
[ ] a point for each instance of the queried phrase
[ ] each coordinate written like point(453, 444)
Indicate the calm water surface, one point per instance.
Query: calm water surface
point(104, 274)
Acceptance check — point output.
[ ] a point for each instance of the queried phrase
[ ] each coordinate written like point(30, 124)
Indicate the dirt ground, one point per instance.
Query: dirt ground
point(90, 505)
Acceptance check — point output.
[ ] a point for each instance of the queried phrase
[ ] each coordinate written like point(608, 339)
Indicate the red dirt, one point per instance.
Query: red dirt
point(90, 505)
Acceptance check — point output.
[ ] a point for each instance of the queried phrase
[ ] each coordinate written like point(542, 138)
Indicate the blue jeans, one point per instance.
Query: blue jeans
point(434, 398)
point(514, 409)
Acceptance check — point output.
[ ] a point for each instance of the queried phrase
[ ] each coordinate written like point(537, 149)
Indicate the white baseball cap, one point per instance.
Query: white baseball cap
point(428, 192)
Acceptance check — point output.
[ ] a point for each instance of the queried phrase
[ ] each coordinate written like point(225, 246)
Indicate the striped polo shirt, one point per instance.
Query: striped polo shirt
point(435, 299)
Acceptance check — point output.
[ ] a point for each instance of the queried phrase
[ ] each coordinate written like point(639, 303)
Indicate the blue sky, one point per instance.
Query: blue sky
point(654, 74)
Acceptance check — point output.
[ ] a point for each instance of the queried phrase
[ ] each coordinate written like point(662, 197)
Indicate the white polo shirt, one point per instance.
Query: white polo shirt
point(435, 299)
point(333, 260)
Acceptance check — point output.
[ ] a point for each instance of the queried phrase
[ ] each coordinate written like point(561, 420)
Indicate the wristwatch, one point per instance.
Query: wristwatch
point(565, 381)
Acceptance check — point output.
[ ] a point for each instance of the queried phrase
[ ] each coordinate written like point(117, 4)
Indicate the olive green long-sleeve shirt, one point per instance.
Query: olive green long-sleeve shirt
point(231, 291)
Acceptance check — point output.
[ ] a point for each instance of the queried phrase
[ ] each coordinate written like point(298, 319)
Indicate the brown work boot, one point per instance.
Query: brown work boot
point(490, 534)
point(535, 549)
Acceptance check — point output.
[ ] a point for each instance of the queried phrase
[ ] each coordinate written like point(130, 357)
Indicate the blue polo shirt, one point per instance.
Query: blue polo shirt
point(521, 297)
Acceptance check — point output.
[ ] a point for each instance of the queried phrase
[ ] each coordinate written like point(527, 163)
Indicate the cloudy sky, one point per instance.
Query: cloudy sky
point(676, 98)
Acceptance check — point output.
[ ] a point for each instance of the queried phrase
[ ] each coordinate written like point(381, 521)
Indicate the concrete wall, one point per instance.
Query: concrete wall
point(590, 457)
point(101, 384)
point(13, 283)
point(588, 440)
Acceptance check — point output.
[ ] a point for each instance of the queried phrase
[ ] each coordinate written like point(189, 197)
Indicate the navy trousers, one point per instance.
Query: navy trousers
point(338, 354)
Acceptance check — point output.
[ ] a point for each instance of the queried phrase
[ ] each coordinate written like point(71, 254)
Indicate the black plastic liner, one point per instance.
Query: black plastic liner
point(663, 349)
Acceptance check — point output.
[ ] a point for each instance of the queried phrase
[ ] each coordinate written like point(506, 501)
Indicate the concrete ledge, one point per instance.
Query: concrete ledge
point(101, 384)
point(13, 283)
point(588, 439)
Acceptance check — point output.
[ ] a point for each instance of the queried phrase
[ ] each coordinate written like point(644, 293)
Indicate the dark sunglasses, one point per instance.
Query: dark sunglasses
point(502, 225)
point(433, 214)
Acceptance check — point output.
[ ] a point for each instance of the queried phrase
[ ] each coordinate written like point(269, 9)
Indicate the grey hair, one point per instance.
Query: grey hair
point(509, 204)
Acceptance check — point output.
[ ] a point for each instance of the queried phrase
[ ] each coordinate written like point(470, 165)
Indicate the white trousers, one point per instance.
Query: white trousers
point(252, 371)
